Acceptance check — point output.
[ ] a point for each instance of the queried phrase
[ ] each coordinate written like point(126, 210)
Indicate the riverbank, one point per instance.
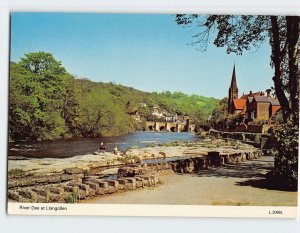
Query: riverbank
point(66, 148)
point(74, 184)
point(239, 184)
point(34, 166)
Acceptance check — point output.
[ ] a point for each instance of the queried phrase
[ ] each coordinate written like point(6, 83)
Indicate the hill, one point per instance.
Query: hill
point(47, 102)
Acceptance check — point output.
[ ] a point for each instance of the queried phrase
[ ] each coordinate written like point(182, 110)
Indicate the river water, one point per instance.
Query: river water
point(65, 148)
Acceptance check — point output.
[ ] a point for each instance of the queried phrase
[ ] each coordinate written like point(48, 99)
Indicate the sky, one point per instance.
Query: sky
point(149, 52)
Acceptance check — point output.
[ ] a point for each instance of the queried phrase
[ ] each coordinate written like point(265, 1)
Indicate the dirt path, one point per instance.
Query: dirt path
point(241, 184)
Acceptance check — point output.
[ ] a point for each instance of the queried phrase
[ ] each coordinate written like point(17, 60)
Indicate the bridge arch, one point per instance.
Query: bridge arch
point(173, 129)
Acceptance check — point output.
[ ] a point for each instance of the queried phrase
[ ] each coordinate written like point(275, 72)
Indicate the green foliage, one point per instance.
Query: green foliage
point(237, 33)
point(278, 117)
point(42, 63)
point(37, 90)
point(46, 103)
point(285, 138)
point(257, 138)
point(199, 117)
point(144, 111)
point(103, 116)
point(72, 110)
point(16, 172)
point(183, 104)
point(240, 33)
point(73, 197)
point(220, 112)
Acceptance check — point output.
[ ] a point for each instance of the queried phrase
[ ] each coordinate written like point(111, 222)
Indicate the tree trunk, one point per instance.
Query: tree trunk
point(292, 33)
point(276, 58)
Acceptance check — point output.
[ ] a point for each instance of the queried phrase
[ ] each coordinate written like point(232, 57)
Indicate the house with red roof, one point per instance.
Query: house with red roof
point(255, 105)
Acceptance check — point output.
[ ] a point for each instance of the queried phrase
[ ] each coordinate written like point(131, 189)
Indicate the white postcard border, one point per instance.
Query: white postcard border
point(152, 210)
point(128, 210)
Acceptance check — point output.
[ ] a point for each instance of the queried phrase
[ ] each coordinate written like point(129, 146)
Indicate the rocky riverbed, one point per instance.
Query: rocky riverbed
point(33, 166)
point(87, 176)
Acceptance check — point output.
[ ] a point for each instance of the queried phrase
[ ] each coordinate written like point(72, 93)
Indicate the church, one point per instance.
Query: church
point(251, 106)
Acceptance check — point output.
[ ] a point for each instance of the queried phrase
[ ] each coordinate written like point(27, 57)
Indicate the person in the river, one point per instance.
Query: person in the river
point(102, 148)
point(116, 151)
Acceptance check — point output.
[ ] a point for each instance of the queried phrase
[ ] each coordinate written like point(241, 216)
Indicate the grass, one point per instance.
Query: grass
point(73, 197)
point(230, 203)
point(257, 138)
point(16, 172)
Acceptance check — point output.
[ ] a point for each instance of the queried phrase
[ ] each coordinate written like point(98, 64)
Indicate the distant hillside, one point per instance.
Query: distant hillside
point(126, 95)
point(47, 102)
point(181, 103)
point(167, 101)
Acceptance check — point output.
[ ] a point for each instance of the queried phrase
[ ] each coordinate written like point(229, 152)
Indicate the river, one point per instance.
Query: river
point(65, 148)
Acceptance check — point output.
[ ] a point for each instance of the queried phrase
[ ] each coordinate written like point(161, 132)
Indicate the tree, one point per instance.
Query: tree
point(219, 114)
point(72, 108)
point(41, 63)
point(102, 116)
point(199, 118)
point(37, 90)
point(285, 171)
point(241, 33)
point(131, 107)
point(21, 103)
point(151, 102)
point(144, 111)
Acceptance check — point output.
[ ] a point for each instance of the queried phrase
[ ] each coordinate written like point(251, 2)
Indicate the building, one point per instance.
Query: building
point(233, 93)
point(255, 105)
point(156, 113)
point(171, 117)
point(261, 107)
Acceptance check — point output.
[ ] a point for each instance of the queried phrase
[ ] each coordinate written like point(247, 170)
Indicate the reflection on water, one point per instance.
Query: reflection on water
point(71, 147)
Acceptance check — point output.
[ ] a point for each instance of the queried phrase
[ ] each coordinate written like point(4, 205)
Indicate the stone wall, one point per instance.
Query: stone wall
point(255, 128)
point(234, 135)
point(189, 165)
point(72, 186)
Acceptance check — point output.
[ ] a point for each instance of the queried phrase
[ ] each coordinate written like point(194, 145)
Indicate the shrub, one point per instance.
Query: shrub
point(16, 172)
point(73, 197)
point(285, 138)
point(257, 138)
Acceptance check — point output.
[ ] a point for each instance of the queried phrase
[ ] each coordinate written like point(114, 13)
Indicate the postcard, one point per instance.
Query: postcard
point(153, 115)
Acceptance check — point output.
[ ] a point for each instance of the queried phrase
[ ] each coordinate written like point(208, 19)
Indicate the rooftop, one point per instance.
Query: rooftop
point(239, 104)
point(245, 96)
point(266, 99)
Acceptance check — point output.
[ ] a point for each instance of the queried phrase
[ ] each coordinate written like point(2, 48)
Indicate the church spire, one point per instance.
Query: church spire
point(233, 85)
point(233, 92)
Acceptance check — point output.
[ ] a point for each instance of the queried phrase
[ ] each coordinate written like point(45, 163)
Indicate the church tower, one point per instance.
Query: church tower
point(233, 92)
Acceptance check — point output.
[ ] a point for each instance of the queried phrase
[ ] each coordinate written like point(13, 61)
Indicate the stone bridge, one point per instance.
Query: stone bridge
point(169, 126)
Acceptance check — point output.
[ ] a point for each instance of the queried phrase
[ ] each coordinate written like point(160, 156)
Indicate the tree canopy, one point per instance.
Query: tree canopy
point(242, 33)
